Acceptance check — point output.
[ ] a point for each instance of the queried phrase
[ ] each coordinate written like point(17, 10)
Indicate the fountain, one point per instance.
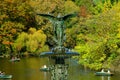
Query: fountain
point(58, 54)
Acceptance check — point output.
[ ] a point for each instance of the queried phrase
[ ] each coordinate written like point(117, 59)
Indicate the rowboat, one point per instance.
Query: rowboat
point(44, 69)
point(15, 60)
point(5, 76)
point(103, 74)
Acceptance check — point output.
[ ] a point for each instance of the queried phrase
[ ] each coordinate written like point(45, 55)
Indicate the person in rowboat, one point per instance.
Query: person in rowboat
point(44, 66)
point(102, 70)
point(2, 73)
point(109, 71)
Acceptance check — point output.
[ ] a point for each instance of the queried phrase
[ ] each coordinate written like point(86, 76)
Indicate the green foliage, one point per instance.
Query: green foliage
point(70, 7)
point(103, 5)
point(20, 42)
point(98, 44)
point(91, 54)
point(32, 42)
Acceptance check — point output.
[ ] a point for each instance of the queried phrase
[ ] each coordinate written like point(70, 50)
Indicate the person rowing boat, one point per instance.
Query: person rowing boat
point(2, 73)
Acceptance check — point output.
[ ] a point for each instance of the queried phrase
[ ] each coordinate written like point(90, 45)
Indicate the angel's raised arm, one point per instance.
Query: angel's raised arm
point(69, 16)
point(50, 17)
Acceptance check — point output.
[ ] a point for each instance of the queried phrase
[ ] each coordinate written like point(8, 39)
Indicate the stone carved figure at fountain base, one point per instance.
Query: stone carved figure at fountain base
point(59, 72)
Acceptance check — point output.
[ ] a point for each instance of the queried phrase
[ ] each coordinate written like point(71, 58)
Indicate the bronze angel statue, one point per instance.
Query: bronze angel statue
point(58, 26)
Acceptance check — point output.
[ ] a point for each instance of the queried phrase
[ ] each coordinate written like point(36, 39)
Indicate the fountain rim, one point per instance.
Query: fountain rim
point(65, 54)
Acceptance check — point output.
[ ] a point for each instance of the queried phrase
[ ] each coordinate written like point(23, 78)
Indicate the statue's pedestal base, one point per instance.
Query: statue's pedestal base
point(58, 56)
point(59, 72)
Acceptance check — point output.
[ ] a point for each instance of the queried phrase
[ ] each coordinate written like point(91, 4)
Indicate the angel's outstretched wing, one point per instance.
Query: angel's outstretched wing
point(69, 16)
point(50, 17)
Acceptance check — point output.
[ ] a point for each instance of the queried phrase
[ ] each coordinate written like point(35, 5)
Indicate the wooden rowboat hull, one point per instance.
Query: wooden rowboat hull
point(5, 76)
point(103, 74)
point(44, 69)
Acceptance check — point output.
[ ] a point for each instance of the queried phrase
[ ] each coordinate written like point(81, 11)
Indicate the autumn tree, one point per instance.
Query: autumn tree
point(15, 17)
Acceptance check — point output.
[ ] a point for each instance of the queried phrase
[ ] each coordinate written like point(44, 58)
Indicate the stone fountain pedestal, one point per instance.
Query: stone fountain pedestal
point(59, 69)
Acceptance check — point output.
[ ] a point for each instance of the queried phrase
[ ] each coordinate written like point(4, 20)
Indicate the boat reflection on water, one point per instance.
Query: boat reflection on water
point(104, 77)
point(5, 79)
point(45, 75)
point(45, 70)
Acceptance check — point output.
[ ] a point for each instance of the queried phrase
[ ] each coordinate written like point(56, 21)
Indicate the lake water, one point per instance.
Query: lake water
point(29, 69)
